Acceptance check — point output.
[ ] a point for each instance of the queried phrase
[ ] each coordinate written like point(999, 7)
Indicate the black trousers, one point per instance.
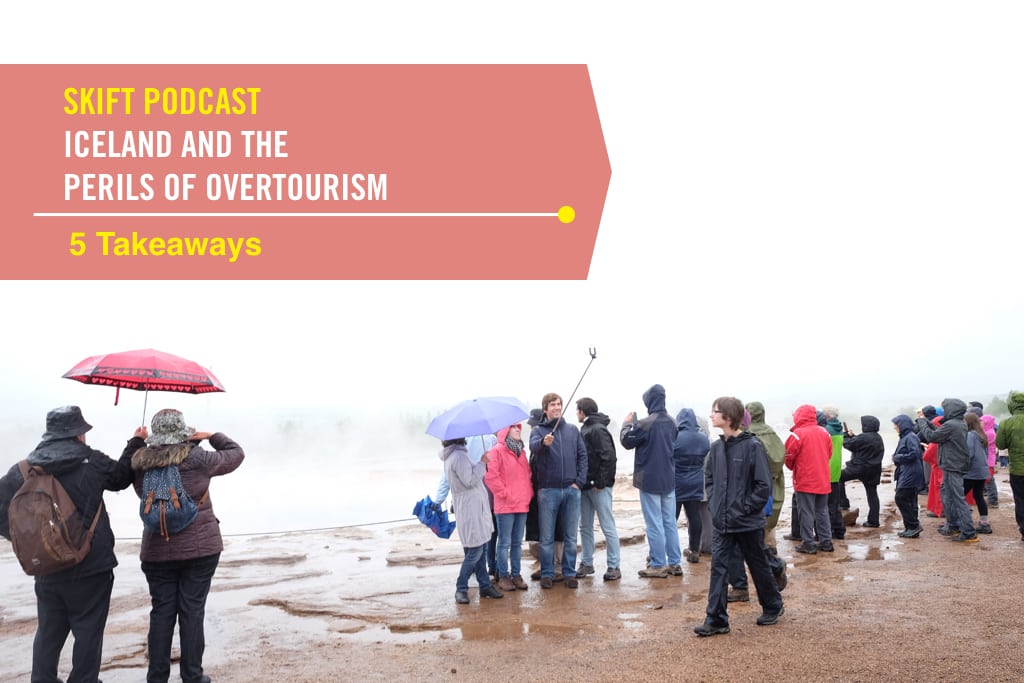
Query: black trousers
point(906, 501)
point(78, 607)
point(750, 545)
point(835, 515)
point(178, 591)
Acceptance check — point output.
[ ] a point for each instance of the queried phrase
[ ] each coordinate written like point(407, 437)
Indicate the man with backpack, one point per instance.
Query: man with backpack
point(72, 595)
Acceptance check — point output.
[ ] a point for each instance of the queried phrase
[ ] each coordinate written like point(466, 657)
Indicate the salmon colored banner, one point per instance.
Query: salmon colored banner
point(300, 172)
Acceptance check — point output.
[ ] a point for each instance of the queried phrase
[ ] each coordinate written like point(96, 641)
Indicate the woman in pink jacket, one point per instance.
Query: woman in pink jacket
point(509, 481)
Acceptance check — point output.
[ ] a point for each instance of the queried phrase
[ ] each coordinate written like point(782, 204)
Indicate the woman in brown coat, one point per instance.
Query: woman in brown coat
point(180, 566)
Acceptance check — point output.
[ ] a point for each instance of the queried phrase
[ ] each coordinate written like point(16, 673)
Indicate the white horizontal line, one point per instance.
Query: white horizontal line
point(289, 215)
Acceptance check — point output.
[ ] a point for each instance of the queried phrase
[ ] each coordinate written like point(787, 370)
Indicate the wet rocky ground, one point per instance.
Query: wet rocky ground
point(376, 603)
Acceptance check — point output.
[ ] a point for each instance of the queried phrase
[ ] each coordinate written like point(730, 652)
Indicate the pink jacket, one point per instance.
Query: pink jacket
point(989, 424)
point(808, 452)
point(508, 477)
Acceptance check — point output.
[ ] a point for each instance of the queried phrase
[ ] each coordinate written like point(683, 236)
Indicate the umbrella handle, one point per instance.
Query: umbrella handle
point(145, 400)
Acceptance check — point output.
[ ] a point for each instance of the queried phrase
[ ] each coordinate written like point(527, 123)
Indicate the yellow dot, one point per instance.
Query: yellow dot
point(567, 214)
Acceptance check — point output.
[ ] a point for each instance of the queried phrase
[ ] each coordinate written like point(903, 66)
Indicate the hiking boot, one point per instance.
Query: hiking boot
point(571, 582)
point(585, 570)
point(769, 618)
point(613, 574)
point(826, 547)
point(518, 582)
point(653, 573)
point(559, 578)
point(781, 580)
point(910, 533)
point(691, 557)
point(738, 595)
point(791, 537)
point(706, 629)
point(546, 583)
point(535, 576)
point(872, 525)
point(960, 538)
point(948, 530)
point(984, 528)
point(807, 548)
point(675, 570)
point(505, 583)
point(462, 597)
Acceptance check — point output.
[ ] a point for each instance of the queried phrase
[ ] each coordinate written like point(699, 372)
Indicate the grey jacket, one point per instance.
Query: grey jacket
point(951, 436)
point(197, 466)
point(472, 506)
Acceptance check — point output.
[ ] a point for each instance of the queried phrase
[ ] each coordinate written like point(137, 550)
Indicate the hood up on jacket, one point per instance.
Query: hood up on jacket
point(756, 411)
point(903, 423)
point(870, 423)
point(953, 408)
point(1015, 402)
point(686, 420)
point(806, 416)
point(598, 418)
point(654, 399)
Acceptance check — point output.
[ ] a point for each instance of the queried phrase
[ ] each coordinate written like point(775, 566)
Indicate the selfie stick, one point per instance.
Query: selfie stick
point(593, 354)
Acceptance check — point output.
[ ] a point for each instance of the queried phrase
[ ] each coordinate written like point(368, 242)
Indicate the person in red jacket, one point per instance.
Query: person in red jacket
point(508, 479)
point(808, 452)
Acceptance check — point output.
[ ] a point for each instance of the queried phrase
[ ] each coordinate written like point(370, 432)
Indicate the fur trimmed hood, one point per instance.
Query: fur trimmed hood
point(160, 456)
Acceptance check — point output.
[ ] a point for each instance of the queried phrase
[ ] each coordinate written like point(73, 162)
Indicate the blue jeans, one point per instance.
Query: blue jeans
point(473, 562)
point(660, 522)
point(551, 505)
point(958, 515)
point(511, 528)
point(177, 591)
point(599, 501)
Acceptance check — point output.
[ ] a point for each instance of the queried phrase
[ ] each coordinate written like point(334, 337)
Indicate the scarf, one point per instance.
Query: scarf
point(514, 445)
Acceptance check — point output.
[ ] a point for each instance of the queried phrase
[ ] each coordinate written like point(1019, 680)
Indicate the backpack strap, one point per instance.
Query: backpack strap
point(206, 494)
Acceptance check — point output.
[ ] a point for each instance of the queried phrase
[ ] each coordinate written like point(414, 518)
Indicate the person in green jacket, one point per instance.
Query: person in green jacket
point(1010, 436)
point(835, 430)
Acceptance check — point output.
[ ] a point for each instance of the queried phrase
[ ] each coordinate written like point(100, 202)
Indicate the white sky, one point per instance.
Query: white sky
point(809, 202)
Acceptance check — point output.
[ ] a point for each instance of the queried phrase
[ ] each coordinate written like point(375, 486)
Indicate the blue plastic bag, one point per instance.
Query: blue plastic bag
point(435, 517)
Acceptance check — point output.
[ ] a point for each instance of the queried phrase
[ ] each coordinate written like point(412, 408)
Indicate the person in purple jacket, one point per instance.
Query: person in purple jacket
point(180, 568)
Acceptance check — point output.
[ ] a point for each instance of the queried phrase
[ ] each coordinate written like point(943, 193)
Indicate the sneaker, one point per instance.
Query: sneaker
point(807, 548)
point(691, 557)
point(791, 537)
point(769, 618)
point(984, 528)
point(872, 525)
point(491, 592)
point(826, 547)
point(505, 583)
point(738, 595)
point(462, 597)
point(706, 629)
point(613, 574)
point(546, 583)
point(653, 573)
point(960, 538)
point(571, 582)
point(584, 571)
point(910, 533)
point(518, 582)
point(675, 570)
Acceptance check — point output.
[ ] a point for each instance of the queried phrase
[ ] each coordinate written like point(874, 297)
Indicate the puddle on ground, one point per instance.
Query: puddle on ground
point(857, 551)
